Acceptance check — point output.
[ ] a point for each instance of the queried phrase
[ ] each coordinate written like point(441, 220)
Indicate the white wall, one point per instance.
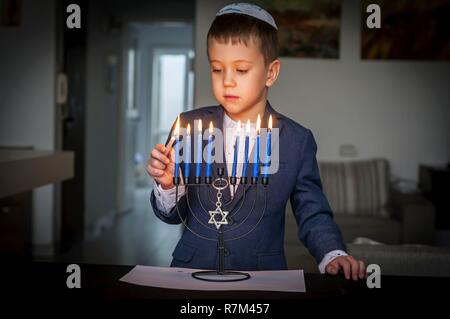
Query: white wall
point(105, 121)
point(27, 109)
point(102, 110)
point(393, 109)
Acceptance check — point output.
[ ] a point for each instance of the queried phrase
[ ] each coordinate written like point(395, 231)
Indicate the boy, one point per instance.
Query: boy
point(242, 51)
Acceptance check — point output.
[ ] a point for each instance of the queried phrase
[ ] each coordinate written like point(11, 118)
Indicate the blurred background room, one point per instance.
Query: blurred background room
point(81, 108)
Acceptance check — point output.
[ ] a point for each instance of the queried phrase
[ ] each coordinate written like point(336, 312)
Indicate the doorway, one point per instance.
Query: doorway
point(159, 85)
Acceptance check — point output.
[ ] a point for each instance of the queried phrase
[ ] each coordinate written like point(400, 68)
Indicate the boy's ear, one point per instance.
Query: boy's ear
point(272, 72)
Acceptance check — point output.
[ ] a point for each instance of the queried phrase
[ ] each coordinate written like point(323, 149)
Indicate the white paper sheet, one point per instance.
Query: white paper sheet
point(181, 278)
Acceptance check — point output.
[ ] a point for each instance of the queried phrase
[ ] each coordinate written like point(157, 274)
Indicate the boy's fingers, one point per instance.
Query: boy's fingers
point(331, 269)
point(354, 267)
point(172, 155)
point(156, 154)
point(157, 164)
point(161, 148)
point(345, 265)
point(170, 168)
point(362, 270)
point(155, 172)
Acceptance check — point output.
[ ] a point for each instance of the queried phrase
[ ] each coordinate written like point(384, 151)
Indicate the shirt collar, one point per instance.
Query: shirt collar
point(228, 121)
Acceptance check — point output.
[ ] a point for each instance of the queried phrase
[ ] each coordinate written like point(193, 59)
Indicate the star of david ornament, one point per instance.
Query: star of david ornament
point(223, 217)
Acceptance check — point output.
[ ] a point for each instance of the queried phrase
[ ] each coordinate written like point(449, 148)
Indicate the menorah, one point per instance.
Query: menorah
point(218, 217)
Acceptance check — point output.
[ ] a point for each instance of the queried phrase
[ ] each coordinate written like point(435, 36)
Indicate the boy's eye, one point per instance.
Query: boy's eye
point(216, 70)
point(242, 71)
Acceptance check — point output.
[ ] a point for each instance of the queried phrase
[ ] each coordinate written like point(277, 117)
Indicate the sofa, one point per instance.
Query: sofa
point(399, 260)
point(366, 205)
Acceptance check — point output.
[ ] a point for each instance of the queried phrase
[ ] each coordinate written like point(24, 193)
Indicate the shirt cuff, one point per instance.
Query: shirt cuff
point(165, 198)
point(329, 257)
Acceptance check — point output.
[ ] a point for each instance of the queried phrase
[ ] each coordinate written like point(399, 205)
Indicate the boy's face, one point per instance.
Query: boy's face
point(240, 77)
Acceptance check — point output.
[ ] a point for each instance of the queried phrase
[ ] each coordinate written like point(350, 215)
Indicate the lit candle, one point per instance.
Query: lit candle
point(256, 154)
point(187, 157)
point(208, 161)
point(268, 151)
point(236, 150)
point(169, 145)
point(199, 160)
point(176, 177)
point(247, 140)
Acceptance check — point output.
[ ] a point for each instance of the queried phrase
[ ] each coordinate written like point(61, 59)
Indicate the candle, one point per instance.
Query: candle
point(199, 160)
point(256, 154)
point(236, 150)
point(209, 155)
point(169, 145)
point(177, 151)
point(268, 147)
point(187, 156)
point(269, 142)
point(247, 140)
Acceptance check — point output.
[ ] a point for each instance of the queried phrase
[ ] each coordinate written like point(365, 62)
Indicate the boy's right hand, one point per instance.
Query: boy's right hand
point(161, 167)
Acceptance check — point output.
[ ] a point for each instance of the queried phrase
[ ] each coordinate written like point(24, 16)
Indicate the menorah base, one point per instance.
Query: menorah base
point(226, 276)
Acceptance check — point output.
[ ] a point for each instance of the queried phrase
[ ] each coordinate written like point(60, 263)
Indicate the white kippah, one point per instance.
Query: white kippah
point(250, 10)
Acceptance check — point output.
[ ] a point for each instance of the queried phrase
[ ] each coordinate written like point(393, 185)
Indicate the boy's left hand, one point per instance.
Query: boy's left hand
point(349, 265)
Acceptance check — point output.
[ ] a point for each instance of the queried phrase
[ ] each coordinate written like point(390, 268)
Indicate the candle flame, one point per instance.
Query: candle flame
point(189, 129)
point(177, 127)
point(270, 123)
point(239, 126)
point(248, 126)
point(200, 126)
point(258, 124)
point(210, 127)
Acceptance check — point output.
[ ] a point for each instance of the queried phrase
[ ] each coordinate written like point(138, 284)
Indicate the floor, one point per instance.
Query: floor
point(138, 237)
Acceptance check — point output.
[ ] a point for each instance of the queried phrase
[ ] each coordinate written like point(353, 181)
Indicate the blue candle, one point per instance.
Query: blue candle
point(269, 138)
point(177, 160)
point(247, 140)
point(256, 154)
point(199, 160)
point(268, 147)
point(177, 148)
point(187, 156)
point(208, 161)
point(236, 150)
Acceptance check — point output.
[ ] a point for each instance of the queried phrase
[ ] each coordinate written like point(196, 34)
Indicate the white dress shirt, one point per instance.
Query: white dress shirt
point(165, 199)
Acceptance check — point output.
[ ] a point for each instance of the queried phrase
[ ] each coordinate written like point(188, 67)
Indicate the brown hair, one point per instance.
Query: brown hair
point(241, 28)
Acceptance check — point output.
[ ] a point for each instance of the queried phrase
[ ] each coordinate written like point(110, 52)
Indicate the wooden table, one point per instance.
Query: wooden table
point(41, 281)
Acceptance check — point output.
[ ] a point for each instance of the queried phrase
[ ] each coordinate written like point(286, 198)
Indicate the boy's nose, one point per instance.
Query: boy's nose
point(228, 80)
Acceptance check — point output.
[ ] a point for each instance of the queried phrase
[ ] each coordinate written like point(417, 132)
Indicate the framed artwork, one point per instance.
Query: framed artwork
point(10, 13)
point(410, 30)
point(308, 28)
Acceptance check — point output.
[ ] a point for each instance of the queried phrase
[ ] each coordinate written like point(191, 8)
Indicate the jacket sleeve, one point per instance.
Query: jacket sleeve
point(317, 229)
point(178, 212)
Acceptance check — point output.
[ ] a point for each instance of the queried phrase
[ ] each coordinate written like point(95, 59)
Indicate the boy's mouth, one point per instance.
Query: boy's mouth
point(231, 97)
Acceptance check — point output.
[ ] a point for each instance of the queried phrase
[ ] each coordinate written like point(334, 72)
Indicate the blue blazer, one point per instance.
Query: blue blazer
point(256, 241)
